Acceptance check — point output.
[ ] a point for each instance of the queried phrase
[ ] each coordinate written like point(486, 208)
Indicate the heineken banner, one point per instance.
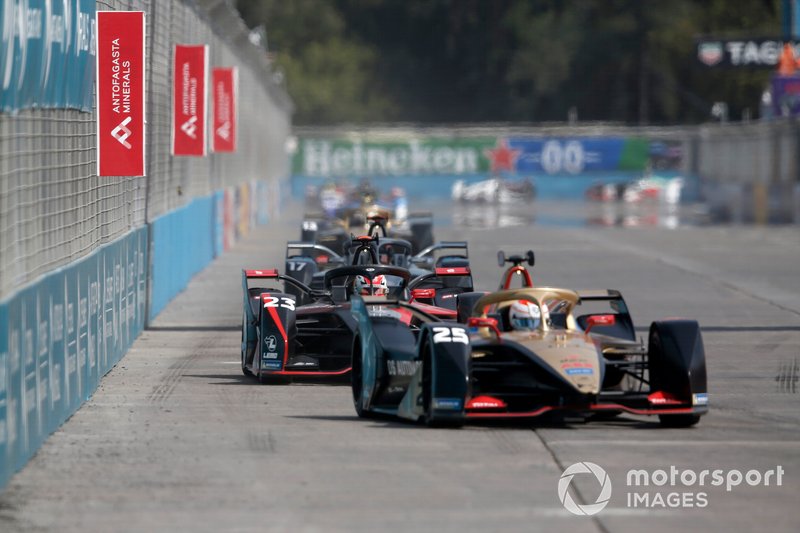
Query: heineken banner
point(47, 54)
point(318, 157)
point(190, 66)
point(224, 90)
point(120, 93)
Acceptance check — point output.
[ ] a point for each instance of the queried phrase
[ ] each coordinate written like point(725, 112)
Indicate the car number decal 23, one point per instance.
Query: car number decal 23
point(443, 334)
point(272, 301)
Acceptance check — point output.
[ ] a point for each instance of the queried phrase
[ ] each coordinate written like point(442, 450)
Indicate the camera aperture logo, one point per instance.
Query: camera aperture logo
point(663, 488)
point(566, 498)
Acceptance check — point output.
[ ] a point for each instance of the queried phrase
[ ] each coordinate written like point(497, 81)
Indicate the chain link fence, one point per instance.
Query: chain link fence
point(54, 208)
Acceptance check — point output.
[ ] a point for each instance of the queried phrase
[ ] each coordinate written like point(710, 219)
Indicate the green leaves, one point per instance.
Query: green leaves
point(510, 60)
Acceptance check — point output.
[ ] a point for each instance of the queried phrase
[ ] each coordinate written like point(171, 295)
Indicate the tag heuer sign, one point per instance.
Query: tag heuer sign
point(757, 52)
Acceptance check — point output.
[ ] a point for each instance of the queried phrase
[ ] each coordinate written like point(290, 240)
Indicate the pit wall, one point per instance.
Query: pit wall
point(62, 333)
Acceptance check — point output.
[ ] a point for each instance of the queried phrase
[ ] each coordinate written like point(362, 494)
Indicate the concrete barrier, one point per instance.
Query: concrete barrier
point(181, 244)
point(59, 336)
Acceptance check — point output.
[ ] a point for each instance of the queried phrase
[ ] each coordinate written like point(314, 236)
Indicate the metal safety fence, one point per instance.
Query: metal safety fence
point(86, 261)
point(54, 209)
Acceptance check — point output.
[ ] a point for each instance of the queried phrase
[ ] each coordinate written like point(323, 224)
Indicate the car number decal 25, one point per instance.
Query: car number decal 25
point(443, 334)
point(272, 301)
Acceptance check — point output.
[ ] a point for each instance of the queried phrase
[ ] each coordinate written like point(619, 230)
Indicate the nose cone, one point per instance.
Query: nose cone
point(581, 371)
point(577, 361)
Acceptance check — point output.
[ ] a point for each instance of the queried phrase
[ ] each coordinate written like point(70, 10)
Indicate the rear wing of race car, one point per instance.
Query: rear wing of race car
point(605, 302)
point(442, 284)
point(310, 249)
point(425, 258)
point(252, 292)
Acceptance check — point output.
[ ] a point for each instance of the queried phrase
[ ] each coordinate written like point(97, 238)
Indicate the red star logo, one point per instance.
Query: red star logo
point(501, 157)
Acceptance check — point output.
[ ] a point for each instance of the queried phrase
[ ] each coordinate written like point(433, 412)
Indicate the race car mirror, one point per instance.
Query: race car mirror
point(516, 259)
point(599, 320)
point(483, 322)
point(530, 257)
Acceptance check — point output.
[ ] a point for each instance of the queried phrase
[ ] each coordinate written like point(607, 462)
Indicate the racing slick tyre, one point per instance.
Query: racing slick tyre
point(677, 365)
point(357, 381)
point(246, 371)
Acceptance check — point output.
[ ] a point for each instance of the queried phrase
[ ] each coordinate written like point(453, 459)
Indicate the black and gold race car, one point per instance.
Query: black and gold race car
point(575, 352)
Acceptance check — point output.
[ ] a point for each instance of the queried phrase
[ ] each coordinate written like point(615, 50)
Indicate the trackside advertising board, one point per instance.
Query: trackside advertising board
point(224, 82)
point(336, 157)
point(189, 100)
point(47, 54)
point(120, 93)
point(429, 165)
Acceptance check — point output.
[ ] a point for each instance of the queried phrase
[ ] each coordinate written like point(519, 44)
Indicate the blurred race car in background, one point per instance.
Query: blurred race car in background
point(526, 352)
point(364, 213)
point(494, 190)
point(649, 189)
point(438, 272)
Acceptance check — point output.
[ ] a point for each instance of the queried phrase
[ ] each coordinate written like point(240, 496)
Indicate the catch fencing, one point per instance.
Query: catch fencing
point(86, 261)
point(54, 209)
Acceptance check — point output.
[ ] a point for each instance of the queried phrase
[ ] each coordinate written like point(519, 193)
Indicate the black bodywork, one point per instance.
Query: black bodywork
point(445, 373)
point(443, 267)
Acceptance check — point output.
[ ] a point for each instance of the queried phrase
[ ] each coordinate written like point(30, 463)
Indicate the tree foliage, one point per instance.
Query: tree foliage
point(508, 60)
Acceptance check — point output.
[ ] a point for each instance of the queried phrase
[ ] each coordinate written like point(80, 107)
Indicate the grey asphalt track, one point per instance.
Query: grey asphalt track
point(177, 439)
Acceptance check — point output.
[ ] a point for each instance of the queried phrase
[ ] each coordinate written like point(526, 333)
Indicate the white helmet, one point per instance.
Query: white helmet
point(378, 287)
point(524, 315)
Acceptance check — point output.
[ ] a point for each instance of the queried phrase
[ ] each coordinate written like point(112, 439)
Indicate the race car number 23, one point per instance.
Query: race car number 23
point(441, 334)
point(274, 301)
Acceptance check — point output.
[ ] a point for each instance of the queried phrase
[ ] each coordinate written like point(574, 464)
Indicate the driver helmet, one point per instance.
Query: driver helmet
point(525, 315)
point(379, 286)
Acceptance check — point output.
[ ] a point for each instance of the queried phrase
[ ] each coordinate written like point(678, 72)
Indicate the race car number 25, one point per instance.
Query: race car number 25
point(441, 334)
point(274, 301)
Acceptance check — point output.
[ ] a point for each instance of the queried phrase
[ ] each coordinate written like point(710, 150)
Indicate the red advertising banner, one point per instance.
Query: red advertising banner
point(224, 82)
point(190, 67)
point(120, 93)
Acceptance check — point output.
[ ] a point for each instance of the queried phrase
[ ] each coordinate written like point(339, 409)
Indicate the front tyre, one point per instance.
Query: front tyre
point(357, 381)
point(246, 371)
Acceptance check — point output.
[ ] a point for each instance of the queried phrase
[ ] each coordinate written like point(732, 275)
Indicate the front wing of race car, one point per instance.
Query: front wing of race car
point(671, 371)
